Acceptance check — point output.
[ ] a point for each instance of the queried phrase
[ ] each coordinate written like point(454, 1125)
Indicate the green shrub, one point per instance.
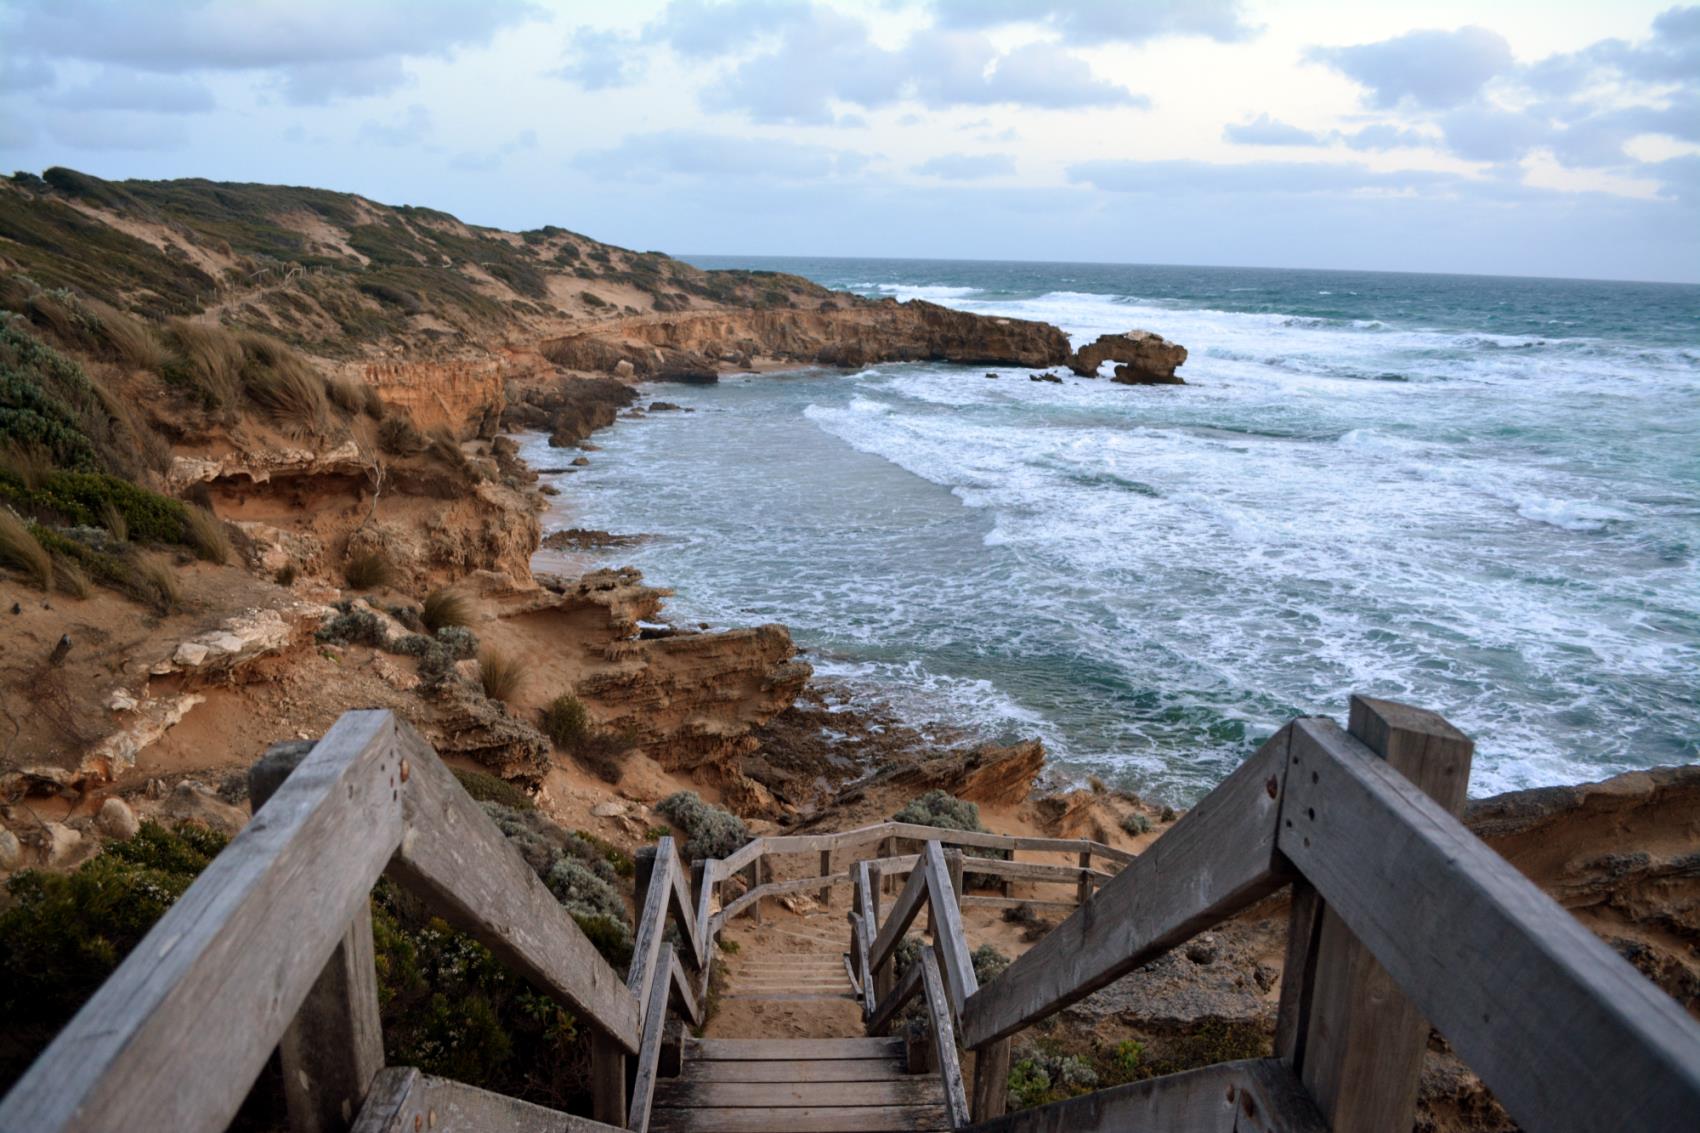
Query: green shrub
point(942, 810)
point(488, 788)
point(1136, 824)
point(500, 674)
point(989, 963)
point(84, 499)
point(620, 861)
point(353, 627)
point(445, 607)
point(1041, 1074)
point(458, 642)
point(369, 570)
point(710, 831)
point(47, 401)
point(565, 721)
point(23, 552)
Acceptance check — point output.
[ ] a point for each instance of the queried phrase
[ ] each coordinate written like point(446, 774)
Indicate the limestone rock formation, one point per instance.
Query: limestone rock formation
point(1144, 358)
point(987, 773)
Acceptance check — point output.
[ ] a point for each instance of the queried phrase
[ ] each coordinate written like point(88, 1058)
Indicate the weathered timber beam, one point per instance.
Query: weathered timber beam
point(214, 984)
point(1229, 1097)
point(1218, 859)
point(1567, 1035)
point(456, 859)
point(403, 1100)
point(944, 1036)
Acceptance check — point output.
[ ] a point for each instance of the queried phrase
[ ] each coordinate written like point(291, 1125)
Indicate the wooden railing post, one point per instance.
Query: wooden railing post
point(1083, 892)
point(1344, 1027)
point(991, 1080)
point(334, 1046)
point(826, 871)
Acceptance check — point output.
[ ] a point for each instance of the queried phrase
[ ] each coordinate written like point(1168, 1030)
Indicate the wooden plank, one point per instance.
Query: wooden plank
point(859, 939)
point(334, 1046)
point(903, 913)
point(907, 1089)
point(654, 890)
point(607, 1080)
point(1218, 859)
point(825, 895)
point(217, 980)
point(649, 1057)
point(949, 939)
point(458, 862)
point(1304, 920)
point(825, 1070)
point(822, 1119)
point(789, 1050)
point(901, 993)
point(991, 1080)
point(1359, 1042)
point(973, 901)
point(1083, 890)
point(694, 950)
point(1212, 1099)
point(683, 996)
point(1566, 1033)
point(405, 1101)
point(849, 840)
point(944, 1034)
point(778, 889)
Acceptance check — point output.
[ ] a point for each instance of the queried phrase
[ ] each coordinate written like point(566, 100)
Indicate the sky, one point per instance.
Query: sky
point(1547, 137)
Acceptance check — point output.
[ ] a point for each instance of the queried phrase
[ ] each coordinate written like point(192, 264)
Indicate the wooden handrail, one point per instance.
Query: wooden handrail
point(224, 973)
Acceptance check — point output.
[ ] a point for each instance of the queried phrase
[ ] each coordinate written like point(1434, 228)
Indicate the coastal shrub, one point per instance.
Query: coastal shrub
point(565, 721)
point(941, 809)
point(407, 616)
point(487, 788)
point(82, 499)
point(443, 608)
point(1136, 824)
point(398, 437)
point(500, 674)
point(710, 831)
point(369, 570)
point(458, 642)
point(353, 627)
point(989, 963)
point(49, 402)
point(23, 552)
point(1041, 1073)
point(206, 534)
point(618, 860)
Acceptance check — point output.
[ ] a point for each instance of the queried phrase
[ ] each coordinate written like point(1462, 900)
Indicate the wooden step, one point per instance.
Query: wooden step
point(687, 1093)
point(818, 1070)
point(790, 1050)
point(824, 1119)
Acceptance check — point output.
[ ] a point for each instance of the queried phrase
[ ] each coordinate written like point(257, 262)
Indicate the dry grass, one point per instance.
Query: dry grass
point(69, 579)
point(398, 437)
point(445, 446)
point(445, 607)
point(500, 674)
point(206, 534)
point(156, 578)
point(128, 340)
point(212, 360)
point(369, 570)
point(23, 552)
point(344, 393)
point(30, 463)
point(113, 520)
point(279, 381)
point(372, 402)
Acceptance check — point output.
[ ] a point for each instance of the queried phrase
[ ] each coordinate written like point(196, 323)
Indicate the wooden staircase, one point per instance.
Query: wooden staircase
point(817, 972)
point(797, 1086)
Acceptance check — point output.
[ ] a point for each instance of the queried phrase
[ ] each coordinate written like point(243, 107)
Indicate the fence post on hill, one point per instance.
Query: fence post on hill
point(334, 1046)
point(1344, 1027)
point(826, 871)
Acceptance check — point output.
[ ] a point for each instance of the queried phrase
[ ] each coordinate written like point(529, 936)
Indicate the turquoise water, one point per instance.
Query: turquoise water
point(1480, 495)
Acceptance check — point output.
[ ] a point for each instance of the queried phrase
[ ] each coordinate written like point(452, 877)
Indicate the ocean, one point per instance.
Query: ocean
point(1479, 495)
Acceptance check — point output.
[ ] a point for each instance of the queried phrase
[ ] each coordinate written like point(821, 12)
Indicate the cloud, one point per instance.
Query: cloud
point(597, 60)
point(24, 73)
point(1386, 136)
point(307, 41)
point(494, 159)
point(1487, 133)
point(822, 57)
point(1431, 69)
point(114, 89)
point(115, 130)
point(1100, 21)
point(1266, 131)
point(1263, 178)
point(319, 84)
point(408, 129)
point(700, 30)
point(966, 166)
point(680, 153)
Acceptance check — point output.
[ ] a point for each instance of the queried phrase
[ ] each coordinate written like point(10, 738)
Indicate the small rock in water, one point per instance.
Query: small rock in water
point(991, 374)
point(116, 820)
point(661, 406)
point(580, 461)
point(1045, 377)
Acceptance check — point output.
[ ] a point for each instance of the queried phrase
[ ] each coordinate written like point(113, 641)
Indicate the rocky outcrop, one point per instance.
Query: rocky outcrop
point(695, 345)
point(1144, 358)
point(464, 397)
point(986, 773)
point(569, 409)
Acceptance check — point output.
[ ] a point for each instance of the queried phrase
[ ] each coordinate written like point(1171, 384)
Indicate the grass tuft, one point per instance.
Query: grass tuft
point(112, 518)
point(369, 570)
point(398, 437)
point(30, 463)
point(23, 552)
point(68, 578)
point(277, 380)
point(500, 673)
point(372, 402)
point(206, 534)
point(128, 340)
point(209, 362)
point(445, 607)
point(565, 720)
point(344, 393)
point(156, 578)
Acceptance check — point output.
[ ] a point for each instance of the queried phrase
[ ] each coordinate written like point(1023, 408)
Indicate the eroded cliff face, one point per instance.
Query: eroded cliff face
point(694, 345)
point(465, 397)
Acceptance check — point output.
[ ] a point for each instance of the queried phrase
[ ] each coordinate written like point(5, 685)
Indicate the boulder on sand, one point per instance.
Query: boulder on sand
point(1145, 358)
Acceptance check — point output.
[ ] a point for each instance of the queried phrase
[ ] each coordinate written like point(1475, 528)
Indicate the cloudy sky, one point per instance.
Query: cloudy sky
point(1548, 137)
